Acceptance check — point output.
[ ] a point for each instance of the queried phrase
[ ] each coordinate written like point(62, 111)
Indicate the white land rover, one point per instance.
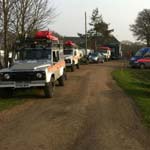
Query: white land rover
point(106, 51)
point(72, 58)
point(37, 66)
point(72, 55)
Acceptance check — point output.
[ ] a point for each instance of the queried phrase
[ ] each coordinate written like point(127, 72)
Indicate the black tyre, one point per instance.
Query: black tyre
point(142, 66)
point(49, 89)
point(65, 75)
point(72, 68)
point(98, 61)
point(61, 80)
point(78, 66)
point(87, 62)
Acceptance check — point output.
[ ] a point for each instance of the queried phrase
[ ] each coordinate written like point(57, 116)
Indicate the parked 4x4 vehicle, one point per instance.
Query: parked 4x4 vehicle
point(133, 62)
point(144, 62)
point(36, 65)
point(72, 55)
point(106, 51)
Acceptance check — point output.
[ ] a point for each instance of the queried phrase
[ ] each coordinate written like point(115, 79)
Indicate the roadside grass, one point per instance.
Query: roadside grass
point(18, 98)
point(136, 84)
point(9, 103)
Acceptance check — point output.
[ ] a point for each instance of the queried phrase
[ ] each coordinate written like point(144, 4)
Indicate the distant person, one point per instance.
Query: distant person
point(128, 54)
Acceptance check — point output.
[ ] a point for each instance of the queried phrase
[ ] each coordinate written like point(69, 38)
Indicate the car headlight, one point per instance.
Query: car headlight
point(39, 75)
point(6, 76)
point(132, 59)
point(136, 62)
point(95, 58)
point(68, 60)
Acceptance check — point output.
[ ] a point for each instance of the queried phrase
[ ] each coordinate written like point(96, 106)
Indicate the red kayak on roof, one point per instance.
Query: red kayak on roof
point(45, 35)
point(70, 43)
point(104, 48)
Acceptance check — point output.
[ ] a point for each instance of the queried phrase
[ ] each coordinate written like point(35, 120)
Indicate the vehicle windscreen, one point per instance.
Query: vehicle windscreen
point(68, 52)
point(103, 51)
point(33, 54)
point(141, 52)
point(94, 54)
point(147, 54)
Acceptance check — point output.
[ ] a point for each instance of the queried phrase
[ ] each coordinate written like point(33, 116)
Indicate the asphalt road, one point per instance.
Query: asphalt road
point(90, 113)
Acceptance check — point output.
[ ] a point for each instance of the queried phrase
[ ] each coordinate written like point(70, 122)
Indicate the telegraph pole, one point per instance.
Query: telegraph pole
point(85, 34)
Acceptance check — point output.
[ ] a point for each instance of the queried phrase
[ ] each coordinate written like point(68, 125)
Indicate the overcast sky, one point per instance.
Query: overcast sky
point(119, 13)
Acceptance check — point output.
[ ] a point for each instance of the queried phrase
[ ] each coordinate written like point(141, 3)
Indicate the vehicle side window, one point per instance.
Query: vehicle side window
point(75, 53)
point(61, 55)
point(58, 56)
point(55, 56)
point(147, 55)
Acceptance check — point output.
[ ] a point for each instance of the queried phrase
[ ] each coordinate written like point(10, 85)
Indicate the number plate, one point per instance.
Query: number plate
point(22, 84)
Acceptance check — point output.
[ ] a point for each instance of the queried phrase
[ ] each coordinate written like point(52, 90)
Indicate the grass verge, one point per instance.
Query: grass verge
point(19, 98)
point(136, 84)
point(9, 103)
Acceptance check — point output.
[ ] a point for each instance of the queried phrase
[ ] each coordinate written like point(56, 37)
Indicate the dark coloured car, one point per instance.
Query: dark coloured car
point(96, 58)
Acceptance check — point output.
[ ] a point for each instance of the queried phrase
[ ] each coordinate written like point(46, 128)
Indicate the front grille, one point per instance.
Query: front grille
point(24, 76)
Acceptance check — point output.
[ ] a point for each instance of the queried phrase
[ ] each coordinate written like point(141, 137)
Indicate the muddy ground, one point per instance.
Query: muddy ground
point(90, 113)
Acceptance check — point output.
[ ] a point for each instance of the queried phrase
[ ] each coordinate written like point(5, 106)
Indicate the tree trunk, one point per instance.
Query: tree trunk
point(5, 32)
point(148, 42)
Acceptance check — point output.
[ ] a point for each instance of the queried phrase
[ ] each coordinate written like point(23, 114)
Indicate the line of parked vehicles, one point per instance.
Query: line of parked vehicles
point(42, 61)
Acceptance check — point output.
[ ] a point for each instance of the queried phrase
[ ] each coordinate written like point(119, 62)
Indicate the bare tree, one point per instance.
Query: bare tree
point(141, 28)
point(0, 8)
point(28, 15)
point(22, 17)
point(4, 21)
